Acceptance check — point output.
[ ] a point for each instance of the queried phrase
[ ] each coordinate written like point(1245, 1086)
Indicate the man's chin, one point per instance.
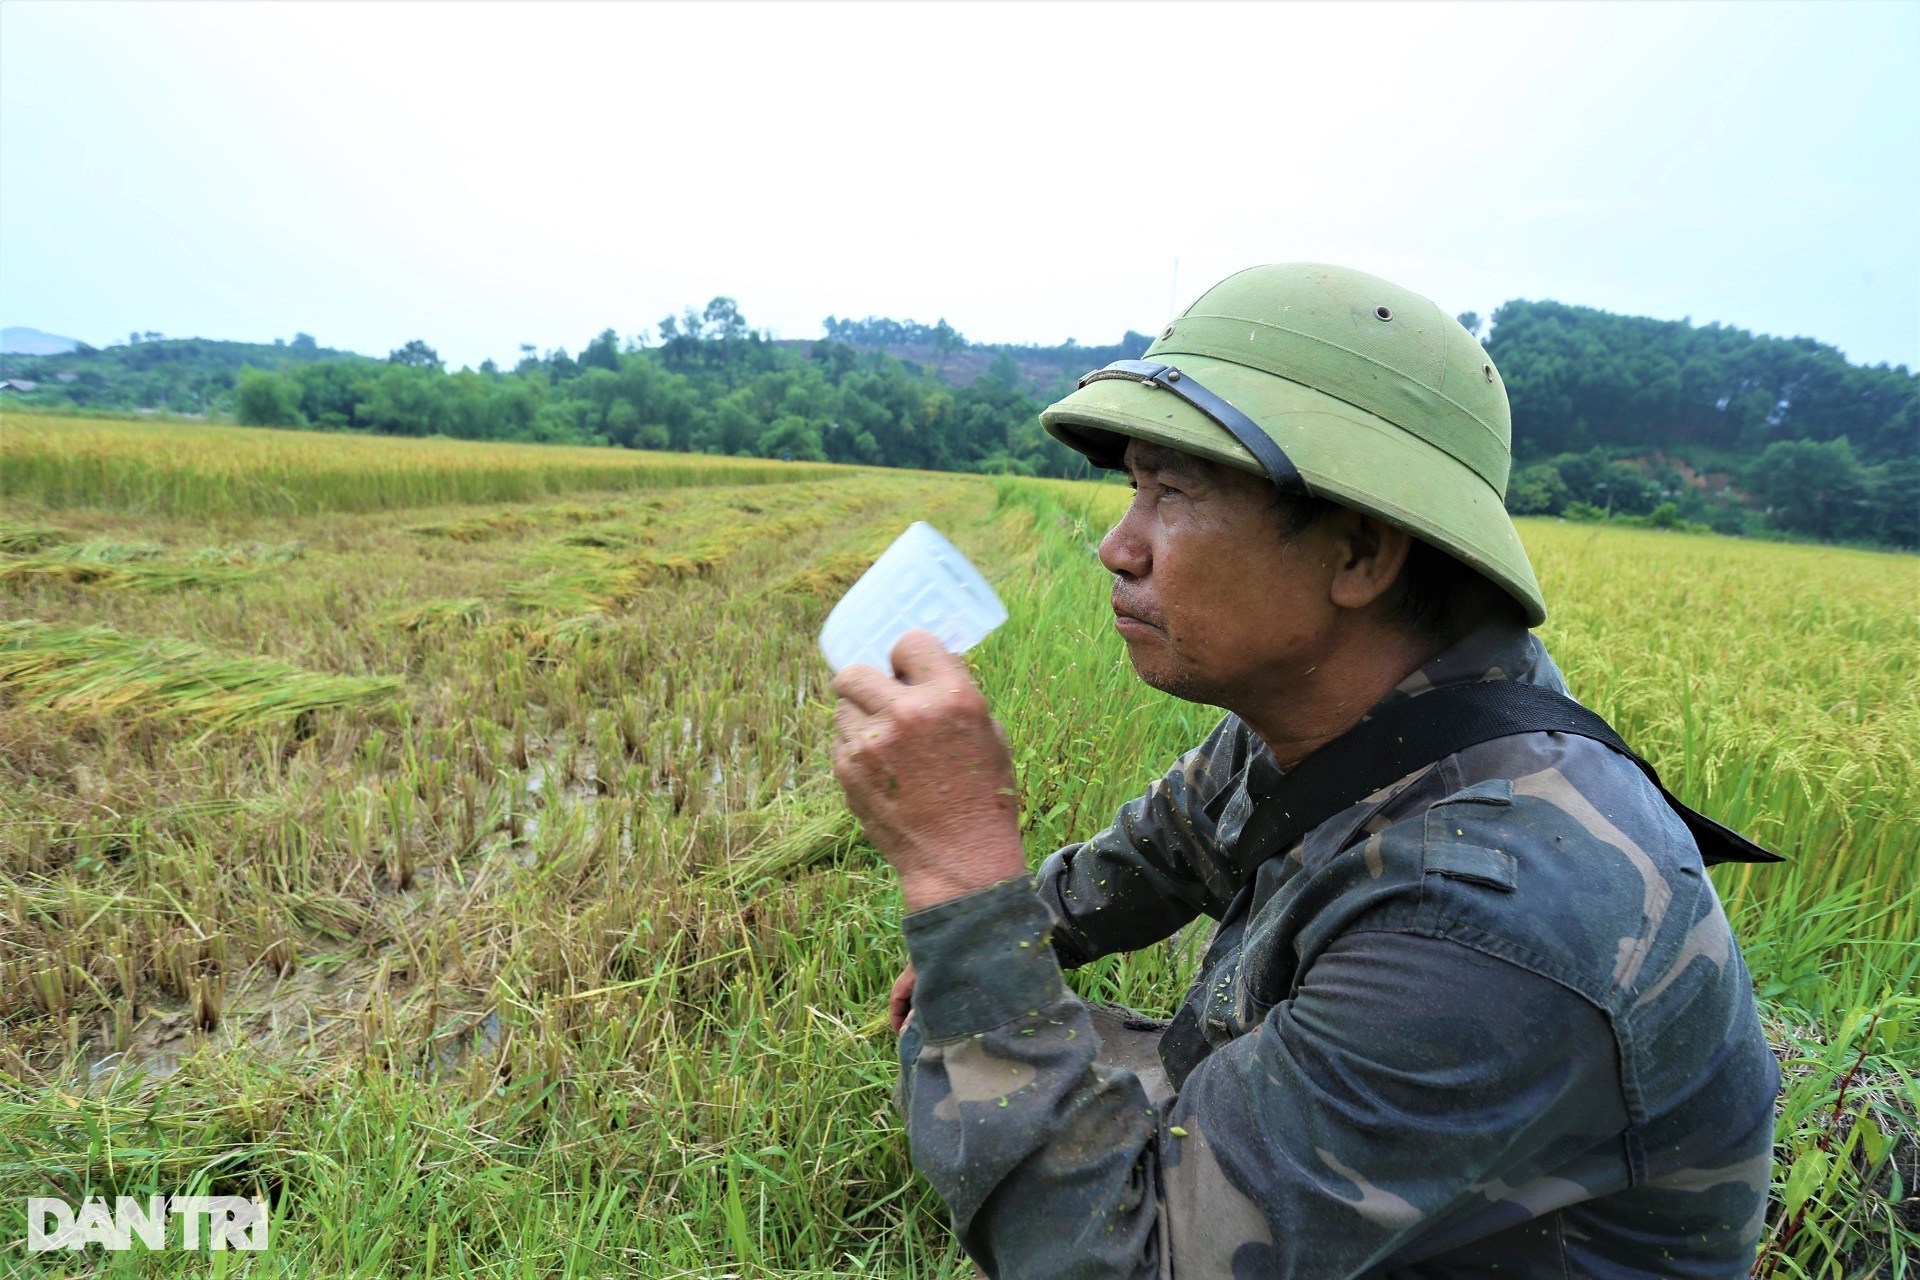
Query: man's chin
point(1157, 673)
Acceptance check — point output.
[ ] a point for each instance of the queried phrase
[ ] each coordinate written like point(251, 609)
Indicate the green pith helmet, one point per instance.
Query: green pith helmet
point(1381, 400)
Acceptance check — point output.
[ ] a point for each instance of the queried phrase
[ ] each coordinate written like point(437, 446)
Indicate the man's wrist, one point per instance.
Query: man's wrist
point(925, 887)
point(982, 959)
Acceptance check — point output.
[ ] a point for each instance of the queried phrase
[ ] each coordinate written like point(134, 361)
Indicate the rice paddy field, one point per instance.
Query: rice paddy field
point(438, 841)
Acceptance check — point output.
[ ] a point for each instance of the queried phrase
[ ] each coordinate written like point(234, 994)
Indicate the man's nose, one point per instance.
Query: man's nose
point(1122, 553)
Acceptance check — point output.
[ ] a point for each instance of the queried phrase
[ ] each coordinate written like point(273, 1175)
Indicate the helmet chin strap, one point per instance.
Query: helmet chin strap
point(1271, 457)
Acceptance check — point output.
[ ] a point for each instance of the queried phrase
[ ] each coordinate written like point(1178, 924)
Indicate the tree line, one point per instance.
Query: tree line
point(709, 383)
point(1614, 416)
point(1810, 488)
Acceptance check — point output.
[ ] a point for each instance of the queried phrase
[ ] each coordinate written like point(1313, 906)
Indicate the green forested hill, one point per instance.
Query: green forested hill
point(1580, 377)
point(1046, 371)
point(182, 375)
point(1662, 419)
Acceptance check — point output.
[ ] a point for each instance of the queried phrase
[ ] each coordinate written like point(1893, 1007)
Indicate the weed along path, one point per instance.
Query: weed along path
point(443, 846)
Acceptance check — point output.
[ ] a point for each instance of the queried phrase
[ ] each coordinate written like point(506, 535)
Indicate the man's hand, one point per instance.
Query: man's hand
point(926, 770)
point(900, 1000)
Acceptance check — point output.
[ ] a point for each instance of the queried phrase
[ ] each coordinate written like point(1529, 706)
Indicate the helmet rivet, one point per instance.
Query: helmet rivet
point(1173, 375)
point(1385, 313)
point(1488, 370)
point(1167, 332)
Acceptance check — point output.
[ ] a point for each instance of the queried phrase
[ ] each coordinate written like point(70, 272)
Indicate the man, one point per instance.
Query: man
point(1485, 1020)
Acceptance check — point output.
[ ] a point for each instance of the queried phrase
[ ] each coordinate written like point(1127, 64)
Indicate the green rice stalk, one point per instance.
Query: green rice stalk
point(106, 551)
point(19, 539)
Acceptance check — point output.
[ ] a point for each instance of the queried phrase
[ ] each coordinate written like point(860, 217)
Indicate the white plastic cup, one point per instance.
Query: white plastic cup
point(921, 582)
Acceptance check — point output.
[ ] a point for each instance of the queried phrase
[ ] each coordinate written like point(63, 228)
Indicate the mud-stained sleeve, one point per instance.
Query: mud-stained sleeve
point(1154, 869)
point(1411, 1085)
point(1042, 1161)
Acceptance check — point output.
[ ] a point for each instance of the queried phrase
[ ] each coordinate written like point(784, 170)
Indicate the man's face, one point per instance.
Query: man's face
point(1216, 602)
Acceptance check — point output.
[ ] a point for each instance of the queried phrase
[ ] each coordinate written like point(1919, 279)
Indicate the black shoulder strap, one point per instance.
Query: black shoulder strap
point(1440, 722)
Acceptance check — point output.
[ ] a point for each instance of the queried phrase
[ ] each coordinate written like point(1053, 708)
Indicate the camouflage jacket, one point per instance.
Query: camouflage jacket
point(1489, 1021)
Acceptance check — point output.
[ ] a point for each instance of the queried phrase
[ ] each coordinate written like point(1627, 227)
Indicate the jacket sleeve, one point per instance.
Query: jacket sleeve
point(1407, 1086)
point(1154, 869)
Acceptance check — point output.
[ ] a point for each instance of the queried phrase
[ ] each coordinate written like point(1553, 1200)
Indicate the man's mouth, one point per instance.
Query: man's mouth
point(1127, 619)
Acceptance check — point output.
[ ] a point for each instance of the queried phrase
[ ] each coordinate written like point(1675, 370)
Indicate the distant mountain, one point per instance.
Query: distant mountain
point(19, 341)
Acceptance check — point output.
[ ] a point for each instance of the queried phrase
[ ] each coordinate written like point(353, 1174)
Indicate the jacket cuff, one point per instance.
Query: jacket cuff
point(981, 960)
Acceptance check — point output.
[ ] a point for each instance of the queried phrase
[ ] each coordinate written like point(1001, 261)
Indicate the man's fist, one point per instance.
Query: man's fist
point(926, 770)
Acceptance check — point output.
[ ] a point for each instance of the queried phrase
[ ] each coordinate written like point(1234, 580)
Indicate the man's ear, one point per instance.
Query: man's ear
point(1372, 553)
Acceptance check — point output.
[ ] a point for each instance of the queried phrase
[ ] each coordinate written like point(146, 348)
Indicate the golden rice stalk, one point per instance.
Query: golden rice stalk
point(97, 671)
point(100, 562)
point(208, 469)
point(436, 613)
point(586, 591)
point(74, 573)
point(829, 576)
point(477, 528)
point(576, 513)
point(70, 571)
point(610, 539)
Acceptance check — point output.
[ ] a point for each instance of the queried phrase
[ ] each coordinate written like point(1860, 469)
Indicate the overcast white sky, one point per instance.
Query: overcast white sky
point(482, 175)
